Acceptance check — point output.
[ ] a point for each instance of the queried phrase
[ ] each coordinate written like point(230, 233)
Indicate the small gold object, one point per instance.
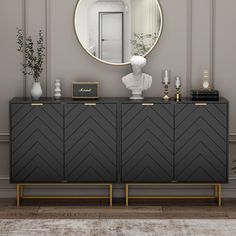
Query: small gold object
point(166, 80)
point(90, 104)
point(206, 80)
point(177, 95)
point(148, 104)
point(37, 104)
point(166, 96)
point(177, 87)
point(200, 104)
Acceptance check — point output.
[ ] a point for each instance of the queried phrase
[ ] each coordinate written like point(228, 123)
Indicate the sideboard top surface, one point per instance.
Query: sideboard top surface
point(112, 100)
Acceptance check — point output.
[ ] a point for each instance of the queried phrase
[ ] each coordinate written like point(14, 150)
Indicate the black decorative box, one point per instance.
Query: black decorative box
point(205, 95)
point(85, 90)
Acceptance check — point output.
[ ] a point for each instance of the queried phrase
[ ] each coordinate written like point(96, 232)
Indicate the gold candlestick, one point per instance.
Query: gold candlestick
point(166, 79)
point(177, 95)
point(177, 87)
point(166, 91)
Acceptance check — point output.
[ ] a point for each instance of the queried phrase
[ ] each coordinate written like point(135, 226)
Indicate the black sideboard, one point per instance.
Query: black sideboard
point(116, 140)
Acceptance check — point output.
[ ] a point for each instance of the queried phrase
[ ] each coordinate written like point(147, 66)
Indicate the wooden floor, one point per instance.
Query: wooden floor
point(101, 210)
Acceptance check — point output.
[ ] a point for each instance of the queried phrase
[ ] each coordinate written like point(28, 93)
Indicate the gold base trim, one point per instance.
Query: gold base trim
point(172, 197)
point(21, 187)
point(217, 196)
point(63, 197)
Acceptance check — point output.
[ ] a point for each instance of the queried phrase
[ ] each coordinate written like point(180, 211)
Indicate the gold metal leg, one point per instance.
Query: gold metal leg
point(219, 195)
point(110, 187)
point(127, 195)
point(216, 191)
point(21, 191)
point(18, 195)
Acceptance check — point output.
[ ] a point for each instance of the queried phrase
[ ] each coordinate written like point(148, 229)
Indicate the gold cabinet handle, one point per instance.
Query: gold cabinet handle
point(90, 104)
point(37, 104)
point(148, 104)
point(201, 104)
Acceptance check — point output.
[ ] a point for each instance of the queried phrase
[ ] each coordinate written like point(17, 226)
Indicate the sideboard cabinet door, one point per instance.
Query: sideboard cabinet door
point(36, 143)
point(90, 142)
point(147, 142)
point(201, 142)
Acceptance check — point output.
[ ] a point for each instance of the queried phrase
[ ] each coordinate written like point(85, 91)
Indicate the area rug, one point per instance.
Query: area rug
point(102, 227)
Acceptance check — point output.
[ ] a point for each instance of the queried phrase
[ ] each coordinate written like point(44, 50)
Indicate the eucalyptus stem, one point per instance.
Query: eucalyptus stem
point(33, 54)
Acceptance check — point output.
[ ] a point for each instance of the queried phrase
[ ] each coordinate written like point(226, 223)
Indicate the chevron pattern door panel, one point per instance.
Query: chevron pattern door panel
point(147, 142)
point(36, 143)
point(90, 142)
point(201, 143)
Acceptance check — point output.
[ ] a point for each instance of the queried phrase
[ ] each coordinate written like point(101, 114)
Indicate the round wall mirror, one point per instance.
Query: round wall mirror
point(112, 31)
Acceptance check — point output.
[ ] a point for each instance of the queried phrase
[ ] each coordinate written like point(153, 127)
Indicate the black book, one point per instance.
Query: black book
point(205, 95)
point(212, 98)
point(205, 92)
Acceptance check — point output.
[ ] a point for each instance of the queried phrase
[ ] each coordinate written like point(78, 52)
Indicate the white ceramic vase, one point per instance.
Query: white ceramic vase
point(57, 90)
point(36, 91)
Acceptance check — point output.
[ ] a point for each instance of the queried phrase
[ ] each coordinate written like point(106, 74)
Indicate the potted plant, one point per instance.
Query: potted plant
point(142, 43)
point(33, 60)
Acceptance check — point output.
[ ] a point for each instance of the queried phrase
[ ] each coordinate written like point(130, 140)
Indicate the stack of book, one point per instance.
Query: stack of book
point(205, 95)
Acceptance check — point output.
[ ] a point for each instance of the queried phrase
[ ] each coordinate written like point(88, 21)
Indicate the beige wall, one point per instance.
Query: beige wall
point(187, 49)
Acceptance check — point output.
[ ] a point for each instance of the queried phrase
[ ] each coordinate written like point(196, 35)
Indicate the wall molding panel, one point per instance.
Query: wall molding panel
point(189, 45)
point(35, 19)
point(190, 29)
point(232, 137)
point(25, 32)
point(212, 41)
point(47, 32)
point(4, 137)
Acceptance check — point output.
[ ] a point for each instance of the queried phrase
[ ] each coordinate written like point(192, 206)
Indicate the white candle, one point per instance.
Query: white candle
point(177, 82)
point(166, 74)
point(166, 79)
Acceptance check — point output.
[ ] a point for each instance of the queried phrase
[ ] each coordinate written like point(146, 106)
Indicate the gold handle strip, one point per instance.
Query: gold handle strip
point(201, 104)
point(37, 104)
point(90, 104)
point(148, 104)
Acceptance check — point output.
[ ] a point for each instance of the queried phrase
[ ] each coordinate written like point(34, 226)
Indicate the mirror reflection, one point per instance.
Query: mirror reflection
point(115, 30)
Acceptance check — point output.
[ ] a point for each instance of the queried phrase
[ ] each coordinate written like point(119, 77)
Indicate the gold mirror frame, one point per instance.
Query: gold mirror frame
point(118, 64)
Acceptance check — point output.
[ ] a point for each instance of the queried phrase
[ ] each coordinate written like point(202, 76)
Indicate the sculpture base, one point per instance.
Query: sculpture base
point(136, 98)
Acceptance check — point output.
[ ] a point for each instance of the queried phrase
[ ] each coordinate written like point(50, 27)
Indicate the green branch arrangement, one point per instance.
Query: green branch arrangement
point(34, 55)
point(142, 43)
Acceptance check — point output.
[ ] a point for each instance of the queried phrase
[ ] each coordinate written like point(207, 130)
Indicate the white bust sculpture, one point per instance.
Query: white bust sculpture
point(137, 81)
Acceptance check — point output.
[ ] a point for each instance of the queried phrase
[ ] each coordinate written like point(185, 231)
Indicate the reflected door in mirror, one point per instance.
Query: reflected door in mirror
point(111, 37)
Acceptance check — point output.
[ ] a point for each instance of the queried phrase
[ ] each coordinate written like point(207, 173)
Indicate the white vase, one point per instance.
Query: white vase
point(36, 91)
point(57, 90)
